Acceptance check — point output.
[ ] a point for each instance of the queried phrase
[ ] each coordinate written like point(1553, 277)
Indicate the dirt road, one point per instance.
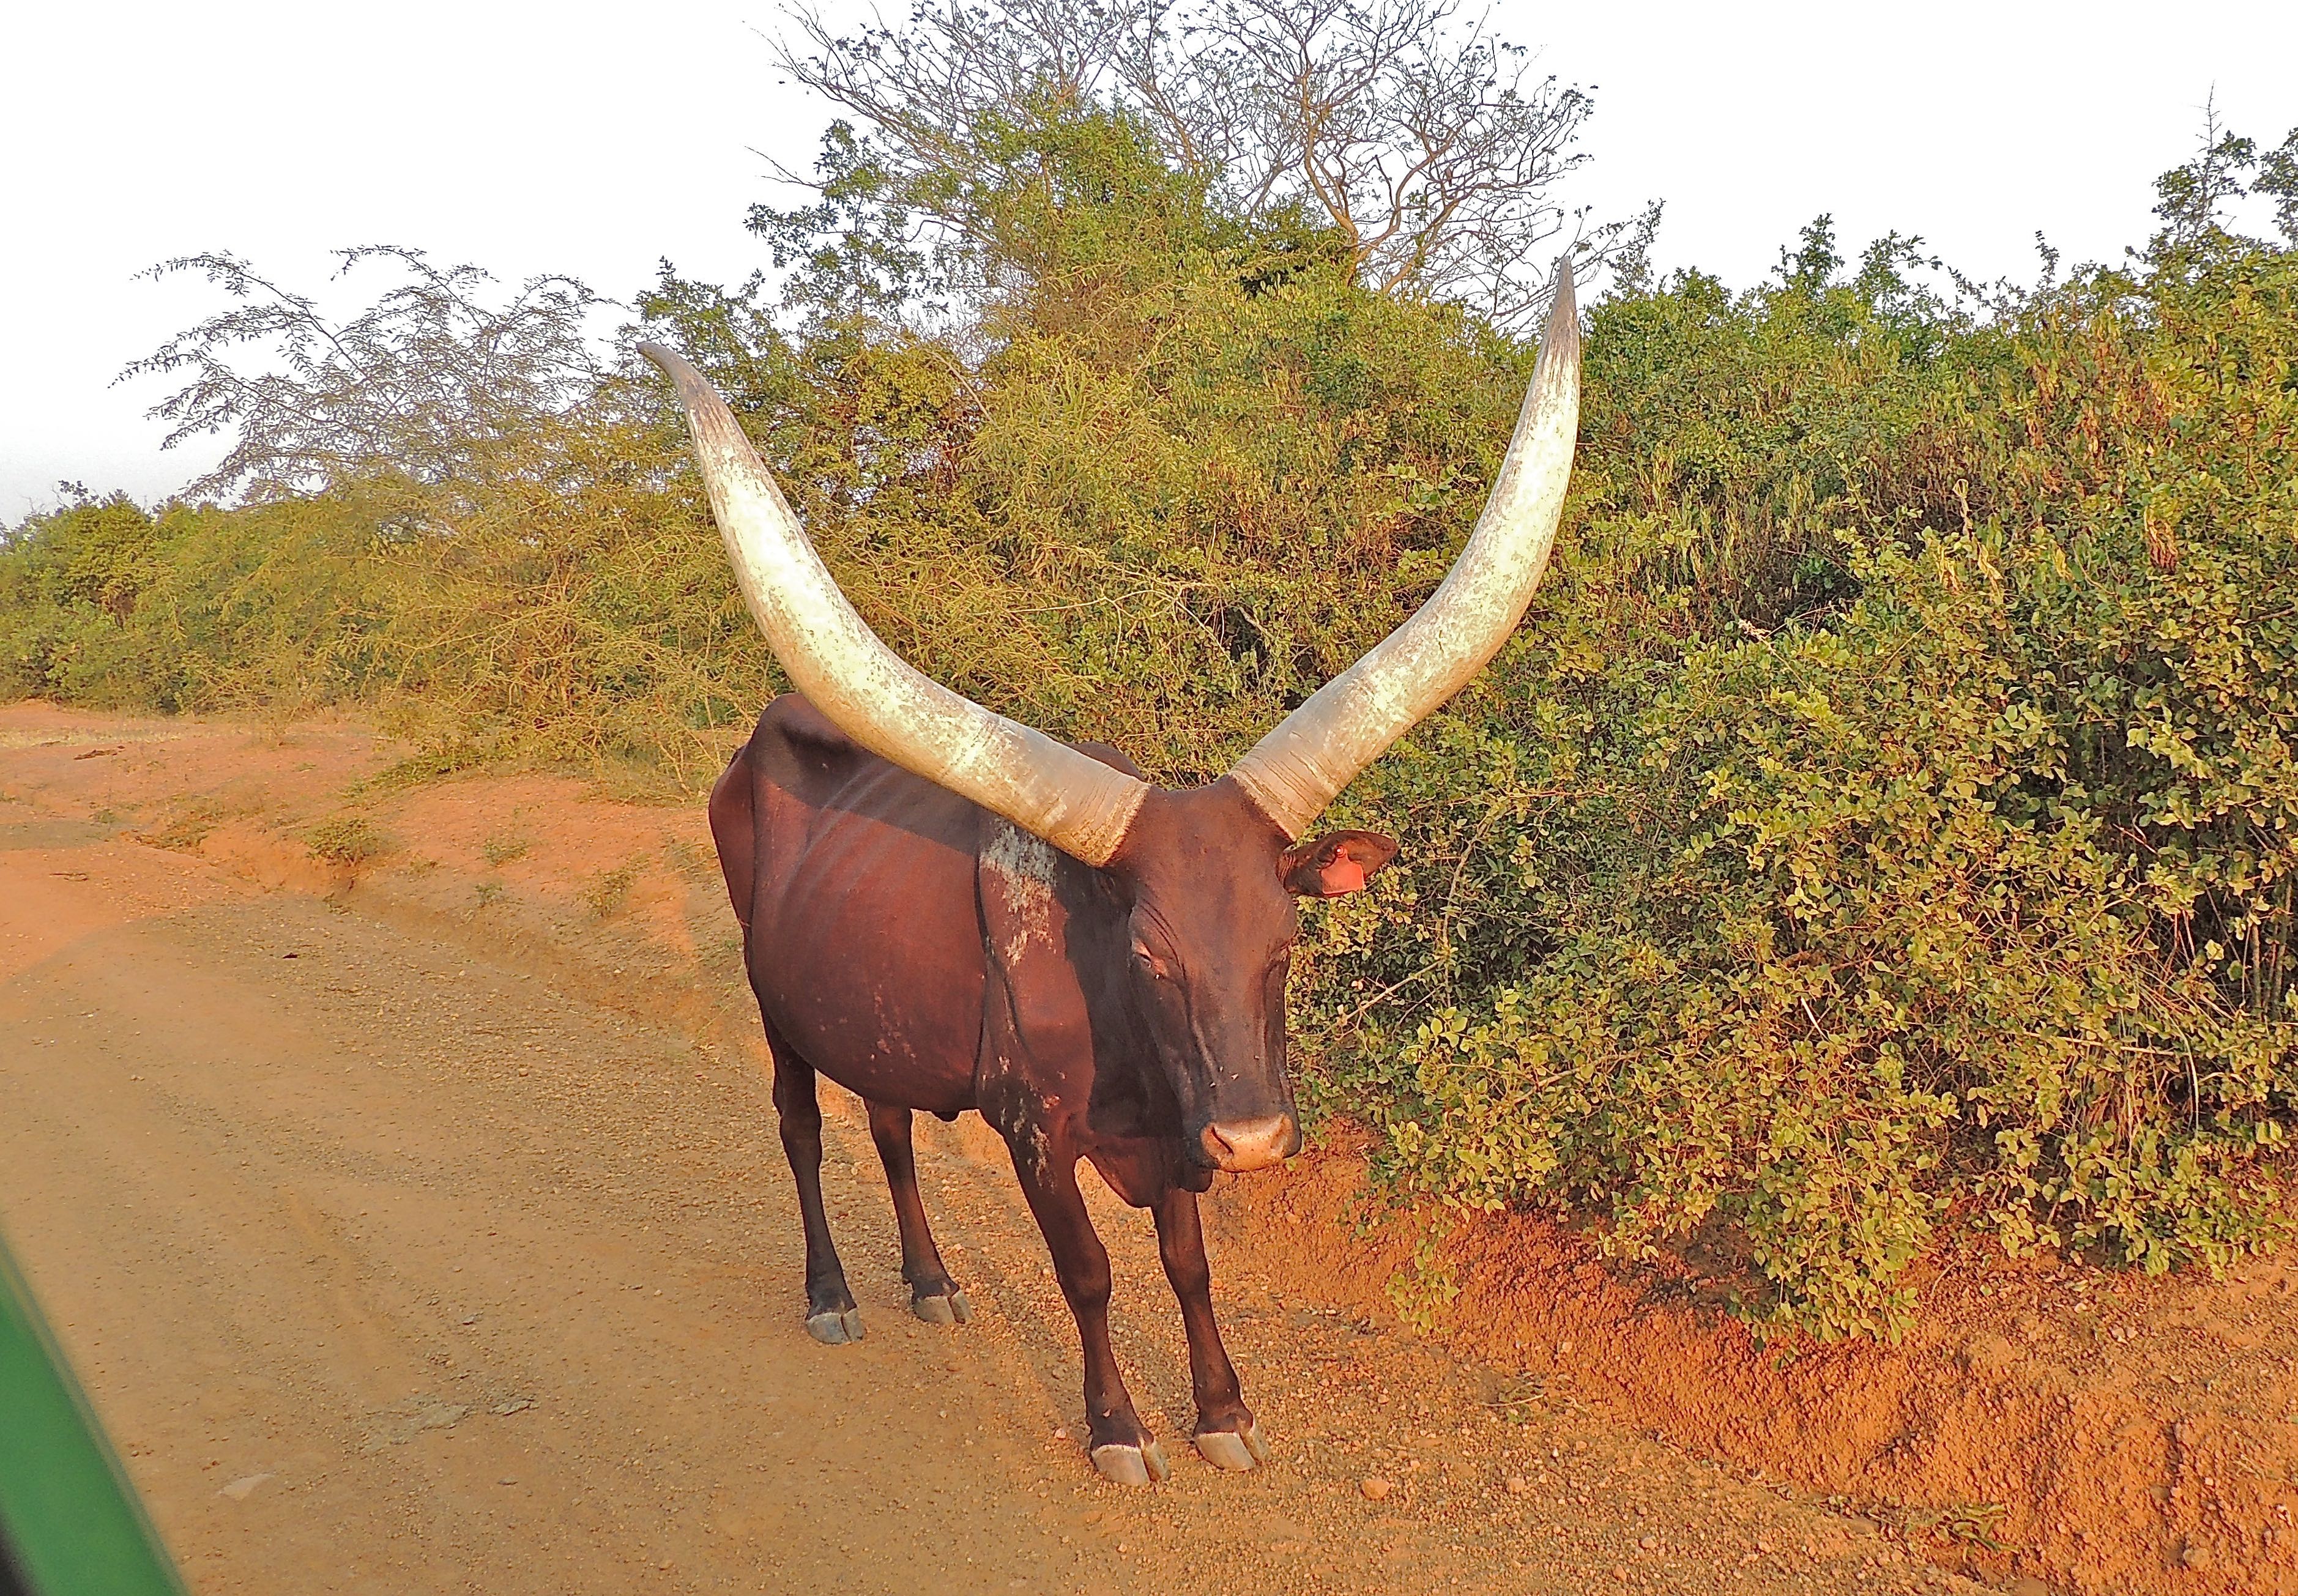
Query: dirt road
point(394, 1269)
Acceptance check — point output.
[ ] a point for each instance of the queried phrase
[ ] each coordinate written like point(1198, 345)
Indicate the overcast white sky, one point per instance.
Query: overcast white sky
point(594, 140)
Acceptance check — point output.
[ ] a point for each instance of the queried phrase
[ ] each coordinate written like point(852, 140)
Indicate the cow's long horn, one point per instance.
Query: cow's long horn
point(1298, 768)
point(1078, 804)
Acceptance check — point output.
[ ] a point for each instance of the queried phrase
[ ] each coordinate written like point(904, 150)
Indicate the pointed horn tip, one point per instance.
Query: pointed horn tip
point(704, 405)
point(1566, 304)
point(1559, 339)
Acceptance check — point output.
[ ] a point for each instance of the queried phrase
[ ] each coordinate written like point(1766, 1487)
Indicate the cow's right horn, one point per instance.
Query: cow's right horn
point(1078, 804)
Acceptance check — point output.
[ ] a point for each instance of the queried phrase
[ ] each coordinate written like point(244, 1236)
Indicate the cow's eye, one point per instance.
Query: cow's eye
point(1151, 962)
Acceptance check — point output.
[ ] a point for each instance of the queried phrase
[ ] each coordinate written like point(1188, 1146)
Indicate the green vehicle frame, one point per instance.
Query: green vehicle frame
point(71, 1524)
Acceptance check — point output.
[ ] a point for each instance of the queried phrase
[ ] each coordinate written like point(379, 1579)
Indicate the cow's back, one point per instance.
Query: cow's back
point(854, 880)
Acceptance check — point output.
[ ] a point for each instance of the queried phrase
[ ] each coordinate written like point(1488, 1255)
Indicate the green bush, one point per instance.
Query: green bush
point(1889, 820)
point(1893, 817)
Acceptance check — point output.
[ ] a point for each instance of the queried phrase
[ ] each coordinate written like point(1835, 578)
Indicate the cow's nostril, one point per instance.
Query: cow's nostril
point(1242, 1145)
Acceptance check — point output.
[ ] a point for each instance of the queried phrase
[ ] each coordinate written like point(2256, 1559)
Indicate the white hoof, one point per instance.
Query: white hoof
point(1131, 1464)
point(951, 1310)
point(1236, 1452)
point(835, 1329)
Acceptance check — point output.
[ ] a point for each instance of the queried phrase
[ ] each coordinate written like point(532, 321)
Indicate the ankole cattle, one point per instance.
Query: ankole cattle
point(943, 910)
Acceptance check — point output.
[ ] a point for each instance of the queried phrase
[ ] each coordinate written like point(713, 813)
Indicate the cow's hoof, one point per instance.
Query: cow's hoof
point(1232, 1450)
point(950, 1310)
point(834, 1329)
point(1131, 1464)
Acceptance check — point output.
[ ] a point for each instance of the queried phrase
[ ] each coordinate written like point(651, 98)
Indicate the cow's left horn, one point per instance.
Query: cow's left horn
point(1078, 804)
point(1299, 768)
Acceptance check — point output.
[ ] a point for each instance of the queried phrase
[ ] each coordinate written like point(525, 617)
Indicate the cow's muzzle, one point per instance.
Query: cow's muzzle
point(1237, 1145)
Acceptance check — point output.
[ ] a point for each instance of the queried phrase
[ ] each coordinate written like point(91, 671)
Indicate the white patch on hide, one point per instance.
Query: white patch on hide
point(1023, 866)
point(1041, 1156)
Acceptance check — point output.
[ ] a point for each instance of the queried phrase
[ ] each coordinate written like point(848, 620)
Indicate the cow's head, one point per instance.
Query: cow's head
point(1209, 882)
point(1210, 874)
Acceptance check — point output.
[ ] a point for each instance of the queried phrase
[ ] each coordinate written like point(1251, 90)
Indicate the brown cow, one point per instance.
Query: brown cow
point(943, 910)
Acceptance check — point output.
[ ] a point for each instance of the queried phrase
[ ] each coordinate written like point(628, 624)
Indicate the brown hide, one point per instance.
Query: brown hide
point(854, 881)
point(926, 955)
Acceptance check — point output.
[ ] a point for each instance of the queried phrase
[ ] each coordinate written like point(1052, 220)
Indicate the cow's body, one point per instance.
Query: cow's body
point(928, 956)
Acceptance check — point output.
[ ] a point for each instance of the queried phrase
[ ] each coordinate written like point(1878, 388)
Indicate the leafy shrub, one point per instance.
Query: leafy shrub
point(1792, 918)
point(1889, 820)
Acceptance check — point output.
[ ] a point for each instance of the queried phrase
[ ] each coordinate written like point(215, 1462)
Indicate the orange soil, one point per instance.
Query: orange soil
point(2058, 1428)
point(2128, 1435)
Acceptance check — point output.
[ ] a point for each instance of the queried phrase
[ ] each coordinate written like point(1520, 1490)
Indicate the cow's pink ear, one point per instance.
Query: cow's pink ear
point(1336, 863)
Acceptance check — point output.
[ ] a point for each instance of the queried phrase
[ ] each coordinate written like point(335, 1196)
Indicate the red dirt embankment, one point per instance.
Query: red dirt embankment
point(2108, 1434)
point(2062, 1428)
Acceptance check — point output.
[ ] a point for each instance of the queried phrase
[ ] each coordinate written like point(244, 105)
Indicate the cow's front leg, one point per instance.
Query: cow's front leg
point(1122, 1447)
point(1226, 1435)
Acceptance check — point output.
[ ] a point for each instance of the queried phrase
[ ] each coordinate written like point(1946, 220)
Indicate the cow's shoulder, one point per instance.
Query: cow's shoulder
point(801, 750)
point(793, 719)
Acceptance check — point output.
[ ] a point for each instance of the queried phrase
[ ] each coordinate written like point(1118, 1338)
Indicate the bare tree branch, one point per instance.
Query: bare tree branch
point(423, 383)
point(1425, 143)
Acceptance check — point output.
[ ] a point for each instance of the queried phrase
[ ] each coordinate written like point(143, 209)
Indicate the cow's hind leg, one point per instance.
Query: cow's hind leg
point(832, 1316)
point(1226, 1435)
point(934, 1297)
point(1120, 1445)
